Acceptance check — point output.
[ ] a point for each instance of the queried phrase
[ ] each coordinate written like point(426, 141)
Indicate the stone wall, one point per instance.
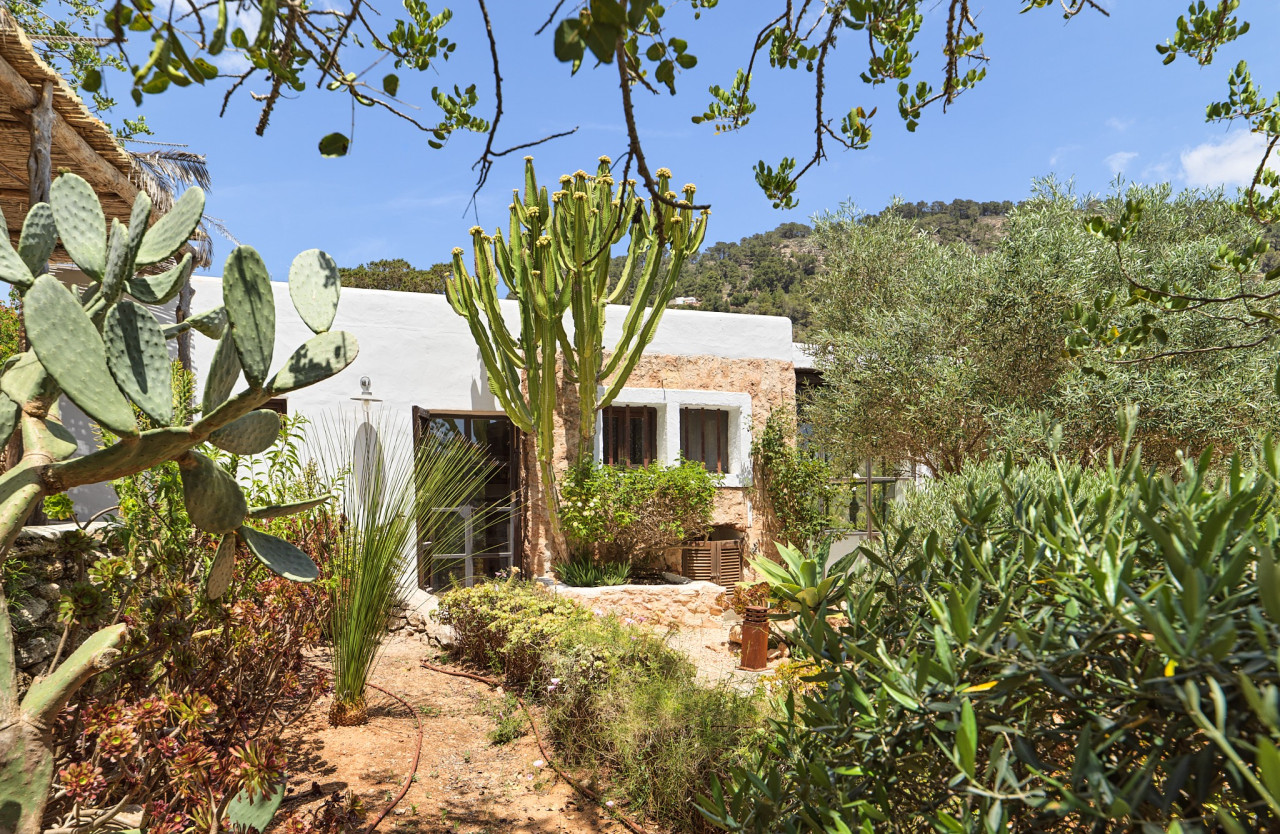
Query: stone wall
point(691, 605)
point(39, 567)
point(771, 385)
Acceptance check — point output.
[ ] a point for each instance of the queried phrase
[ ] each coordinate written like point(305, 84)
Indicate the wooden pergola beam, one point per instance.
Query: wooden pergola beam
point(66, 138)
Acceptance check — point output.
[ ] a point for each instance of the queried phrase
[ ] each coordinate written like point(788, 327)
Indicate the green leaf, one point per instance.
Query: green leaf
point(967, 740)
point(334, 144)
point(92, 81)
point(391, 84)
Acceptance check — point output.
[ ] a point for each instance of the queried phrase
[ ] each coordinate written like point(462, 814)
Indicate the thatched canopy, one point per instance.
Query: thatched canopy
point(82, 143)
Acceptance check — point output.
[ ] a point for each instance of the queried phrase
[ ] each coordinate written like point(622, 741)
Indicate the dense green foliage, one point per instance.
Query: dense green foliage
point(1062, 653)
point(395, 274)
point(165, 726)
point(583, 570)
point(619, 514)
point(761, 274)
point(796, 482)
point(617, 701)
point(937, 355)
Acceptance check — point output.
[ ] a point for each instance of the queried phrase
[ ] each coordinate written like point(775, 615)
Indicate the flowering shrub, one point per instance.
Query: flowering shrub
point(620, 514)
point(508, 626)
point(743, 594)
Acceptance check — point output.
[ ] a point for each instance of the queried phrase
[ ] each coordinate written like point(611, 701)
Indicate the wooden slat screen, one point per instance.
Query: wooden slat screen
point(630, 435)
point(704, 436)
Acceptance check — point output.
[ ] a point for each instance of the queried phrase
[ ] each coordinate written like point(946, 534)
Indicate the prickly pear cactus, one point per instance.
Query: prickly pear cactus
point(106, 352)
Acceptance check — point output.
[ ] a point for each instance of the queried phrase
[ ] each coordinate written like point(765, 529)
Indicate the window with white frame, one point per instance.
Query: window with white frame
point(713, 427)
point(704, 437)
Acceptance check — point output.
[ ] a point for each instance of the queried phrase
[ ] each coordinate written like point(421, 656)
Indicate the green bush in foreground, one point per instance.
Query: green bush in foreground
point(1064, 656)
point(618, 701)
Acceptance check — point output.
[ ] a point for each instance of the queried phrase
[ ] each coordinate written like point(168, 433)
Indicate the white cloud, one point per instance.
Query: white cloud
point(1120, 160)
point(1119, 125)
point(1231, 161)
point(1059, 152)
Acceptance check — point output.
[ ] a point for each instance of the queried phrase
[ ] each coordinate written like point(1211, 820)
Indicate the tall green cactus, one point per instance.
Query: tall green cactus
point(555, 260)
point(108, 354)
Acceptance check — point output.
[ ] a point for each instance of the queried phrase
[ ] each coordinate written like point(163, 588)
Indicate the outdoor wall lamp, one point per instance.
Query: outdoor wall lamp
point(366, 398)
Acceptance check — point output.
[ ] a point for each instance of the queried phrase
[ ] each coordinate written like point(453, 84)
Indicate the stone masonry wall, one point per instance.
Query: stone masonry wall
point(771, 385)
point(39, 567)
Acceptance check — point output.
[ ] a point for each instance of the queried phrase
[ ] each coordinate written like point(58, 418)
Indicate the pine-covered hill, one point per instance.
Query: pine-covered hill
point(765, 273)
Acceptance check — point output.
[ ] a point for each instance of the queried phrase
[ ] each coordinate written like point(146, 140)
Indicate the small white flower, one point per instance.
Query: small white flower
point(555, 681)
point(539, 763)
point(609, 803)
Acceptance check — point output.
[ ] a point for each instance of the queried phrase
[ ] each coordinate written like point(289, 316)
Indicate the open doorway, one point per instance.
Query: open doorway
point(478, 550)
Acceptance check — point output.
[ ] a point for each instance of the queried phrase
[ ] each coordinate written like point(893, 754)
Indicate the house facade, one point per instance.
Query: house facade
point(703, 389)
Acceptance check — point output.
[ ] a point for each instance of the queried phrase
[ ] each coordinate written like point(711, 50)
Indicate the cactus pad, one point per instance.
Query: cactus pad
point(252, 434)
point(39, 236)
point(119, 264)
point(223, 568)
point(314, 285)
point(251, 309)
point(8, 418)
point(69, 347)
point(224, 370)
point(280, 510)
point(162, 288)
point(320, 357)
point(25, 379)
point(171, 232)
point(81, 223)
point(13, 269)
point(212, 497)
point(139, 359)
point(211, 323)
point(279, 555)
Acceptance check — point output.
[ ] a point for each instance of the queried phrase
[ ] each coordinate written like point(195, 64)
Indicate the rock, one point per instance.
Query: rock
point(735, 634)
point(49, 570)
point(417, 621)
point(47, 591)
point(35, 649)
point(29, 613)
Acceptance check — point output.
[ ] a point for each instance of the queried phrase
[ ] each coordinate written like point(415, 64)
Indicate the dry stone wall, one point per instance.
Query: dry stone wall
point(42, 563)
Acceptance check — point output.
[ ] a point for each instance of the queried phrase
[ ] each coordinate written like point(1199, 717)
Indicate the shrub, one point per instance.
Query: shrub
point(507, 626)
point(617, 699)
point(620, 514)
point(1075, 652)
point(797, 483)
point(192, 713)
point(581, 571)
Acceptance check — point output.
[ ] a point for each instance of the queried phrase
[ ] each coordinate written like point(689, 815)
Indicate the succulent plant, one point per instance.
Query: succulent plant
point(555, 261)
point(107, 353)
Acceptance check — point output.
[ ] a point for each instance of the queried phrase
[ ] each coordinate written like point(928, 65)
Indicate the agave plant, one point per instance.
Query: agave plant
point(391, 500)
point(805, 582)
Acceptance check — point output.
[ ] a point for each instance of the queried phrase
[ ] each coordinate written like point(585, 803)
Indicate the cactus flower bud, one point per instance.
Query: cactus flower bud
point(664, 172)
point(457, 250)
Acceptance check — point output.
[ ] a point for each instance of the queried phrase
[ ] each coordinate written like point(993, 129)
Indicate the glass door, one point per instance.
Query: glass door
point(487, 540)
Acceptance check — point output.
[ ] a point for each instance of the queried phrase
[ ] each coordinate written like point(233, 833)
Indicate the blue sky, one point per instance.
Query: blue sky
point(1088, 100)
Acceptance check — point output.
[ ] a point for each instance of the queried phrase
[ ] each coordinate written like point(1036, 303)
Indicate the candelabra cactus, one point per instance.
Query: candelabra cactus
point(107, 353)
point(555, 260)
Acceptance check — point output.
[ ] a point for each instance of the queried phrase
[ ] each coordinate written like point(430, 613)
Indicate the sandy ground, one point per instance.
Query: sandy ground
point(464, 783)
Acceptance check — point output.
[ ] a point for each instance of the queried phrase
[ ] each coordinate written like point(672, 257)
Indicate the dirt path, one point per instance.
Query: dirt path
point(464, 782)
